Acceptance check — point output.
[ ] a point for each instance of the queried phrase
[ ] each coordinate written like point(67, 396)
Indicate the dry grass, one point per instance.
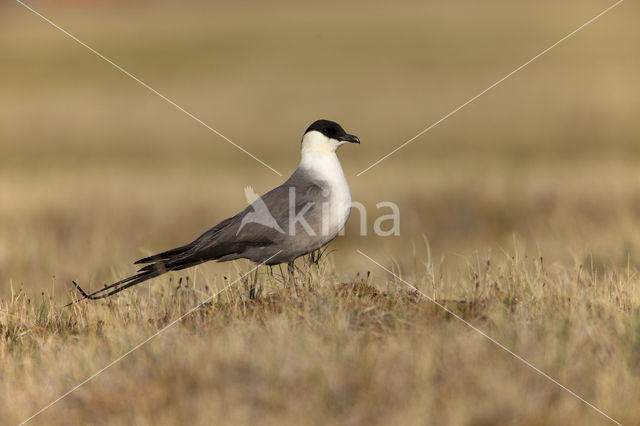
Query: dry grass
point(354, 353)
point(95, 172)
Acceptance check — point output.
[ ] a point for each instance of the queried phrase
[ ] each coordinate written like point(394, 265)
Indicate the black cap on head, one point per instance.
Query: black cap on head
point(332, 130)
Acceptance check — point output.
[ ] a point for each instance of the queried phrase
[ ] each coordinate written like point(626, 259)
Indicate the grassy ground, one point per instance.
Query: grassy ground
point(520, 212)
point(369, 351)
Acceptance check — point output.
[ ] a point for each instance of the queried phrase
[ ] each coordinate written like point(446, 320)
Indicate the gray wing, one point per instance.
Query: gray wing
point(261, 230)
point(264, 227)
point(293, 209)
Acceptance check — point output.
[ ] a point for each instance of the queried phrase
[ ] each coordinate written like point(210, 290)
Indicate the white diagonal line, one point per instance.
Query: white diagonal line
point(491, 87)
point(500, 345)
point(142, 83)
point(153, 336)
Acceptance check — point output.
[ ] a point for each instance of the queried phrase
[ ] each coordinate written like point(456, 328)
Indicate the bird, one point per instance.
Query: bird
point(298, 217)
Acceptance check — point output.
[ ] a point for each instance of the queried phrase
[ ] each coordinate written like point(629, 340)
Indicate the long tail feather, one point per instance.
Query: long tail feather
point(170, 260)
point(144, 274)
point(164, 255)
point(116, 287)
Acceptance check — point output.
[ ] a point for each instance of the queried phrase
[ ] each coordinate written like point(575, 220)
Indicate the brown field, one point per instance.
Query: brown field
point(520, 213)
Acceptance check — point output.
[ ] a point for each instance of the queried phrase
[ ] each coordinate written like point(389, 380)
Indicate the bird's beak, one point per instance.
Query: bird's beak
point(350, 138)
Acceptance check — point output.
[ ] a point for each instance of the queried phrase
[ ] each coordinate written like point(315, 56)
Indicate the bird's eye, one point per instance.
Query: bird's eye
point(329, 132)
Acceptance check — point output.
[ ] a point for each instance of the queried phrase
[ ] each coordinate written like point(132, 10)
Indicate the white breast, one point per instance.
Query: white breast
point(326, 167)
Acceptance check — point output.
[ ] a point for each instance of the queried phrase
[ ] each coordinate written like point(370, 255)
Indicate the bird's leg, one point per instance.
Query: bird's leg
point(272, 279)
point(252, 287)
point(292, 278)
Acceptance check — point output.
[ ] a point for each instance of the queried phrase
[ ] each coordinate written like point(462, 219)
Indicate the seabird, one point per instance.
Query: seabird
point(303, 214)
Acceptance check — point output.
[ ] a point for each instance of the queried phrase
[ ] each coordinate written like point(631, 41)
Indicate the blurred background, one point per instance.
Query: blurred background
point(96, 171)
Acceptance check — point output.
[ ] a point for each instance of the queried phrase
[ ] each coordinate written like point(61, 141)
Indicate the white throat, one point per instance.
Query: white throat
point(318, 158)
point(322, 165)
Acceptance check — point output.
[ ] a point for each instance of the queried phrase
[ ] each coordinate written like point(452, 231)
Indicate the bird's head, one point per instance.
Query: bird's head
point(326, 136)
